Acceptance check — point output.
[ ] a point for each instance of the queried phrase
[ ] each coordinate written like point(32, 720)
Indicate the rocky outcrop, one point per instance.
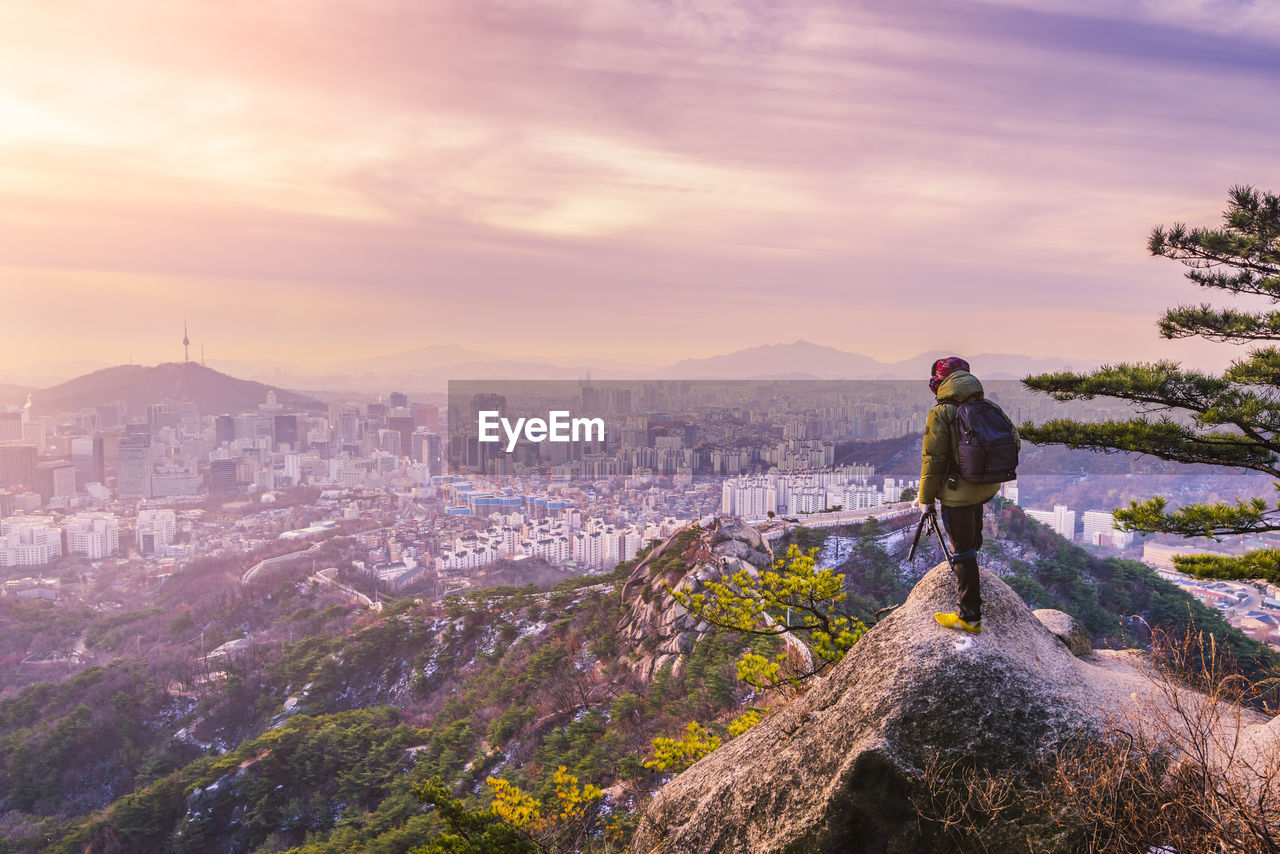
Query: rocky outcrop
point(1065, 628)
point(655, 627)
point(831, 771)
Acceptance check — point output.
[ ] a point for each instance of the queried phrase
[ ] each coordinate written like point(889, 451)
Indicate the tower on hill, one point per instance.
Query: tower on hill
point(186, 342)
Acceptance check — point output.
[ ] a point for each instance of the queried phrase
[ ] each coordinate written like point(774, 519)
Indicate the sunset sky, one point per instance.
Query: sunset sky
point(616, 181)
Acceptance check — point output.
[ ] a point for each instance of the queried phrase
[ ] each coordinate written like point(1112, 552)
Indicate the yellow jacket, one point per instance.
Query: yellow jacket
point(940, 447)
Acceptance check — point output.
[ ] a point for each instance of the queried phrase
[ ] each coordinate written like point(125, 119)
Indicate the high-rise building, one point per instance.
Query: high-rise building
point(222, 477)
point(389, 441)
point(29, 541)
point(1060, 519)
point(17, 466)
point(286, 430)
point(133, 467)
point(402, 424)
point(427, 415)
point(1100, 530)
point(399, 400)
point(55, 480)
point(247, 426)
point(756, 497)
point(224, 429)
point(174, 480)
point(156, 529)
point(108, 416)
point(293, 468)
point(12, 420)
point(93, 535)
point(34, 433)
point(89, 458)
point(348, 426)
point(426, 449)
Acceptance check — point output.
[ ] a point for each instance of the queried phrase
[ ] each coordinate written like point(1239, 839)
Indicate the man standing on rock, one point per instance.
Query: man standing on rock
point(970, 448)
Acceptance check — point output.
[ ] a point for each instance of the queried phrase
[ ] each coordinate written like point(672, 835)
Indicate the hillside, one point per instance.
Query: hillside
point(890, 752)
point(14, 395)
point(802, 359)
point(321, 734)
point(138, 385)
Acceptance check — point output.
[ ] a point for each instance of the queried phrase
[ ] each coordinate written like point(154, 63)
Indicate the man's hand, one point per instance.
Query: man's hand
point(916, 505)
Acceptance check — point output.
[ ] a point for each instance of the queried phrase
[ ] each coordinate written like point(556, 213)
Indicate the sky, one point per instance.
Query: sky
point(616, 182)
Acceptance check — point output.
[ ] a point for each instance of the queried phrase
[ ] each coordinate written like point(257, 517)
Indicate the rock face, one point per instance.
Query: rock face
point(1066, 629)
point(830, 772)
point(656, 627)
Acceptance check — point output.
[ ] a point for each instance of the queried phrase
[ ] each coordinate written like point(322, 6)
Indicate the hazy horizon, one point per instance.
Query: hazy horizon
point(622, 182)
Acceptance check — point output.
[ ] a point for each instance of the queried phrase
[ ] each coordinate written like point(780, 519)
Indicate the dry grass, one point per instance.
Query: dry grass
point(1183, 776)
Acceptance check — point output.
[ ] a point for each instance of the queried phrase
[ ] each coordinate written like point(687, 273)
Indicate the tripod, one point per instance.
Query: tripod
point(929, 519)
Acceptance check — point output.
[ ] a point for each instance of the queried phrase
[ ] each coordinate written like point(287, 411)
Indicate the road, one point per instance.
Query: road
point(248, 577)
point(326, 576)
point(842, 517)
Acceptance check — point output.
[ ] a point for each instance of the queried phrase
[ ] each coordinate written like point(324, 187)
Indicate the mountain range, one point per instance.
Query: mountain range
point(138, 385)
point(429, 368)
point(804, 360)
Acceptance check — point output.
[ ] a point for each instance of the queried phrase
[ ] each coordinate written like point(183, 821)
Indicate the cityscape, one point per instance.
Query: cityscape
point(623, 427)
point(149, 486)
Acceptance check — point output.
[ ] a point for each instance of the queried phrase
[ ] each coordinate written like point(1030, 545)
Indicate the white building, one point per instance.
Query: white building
point(93, 535)
point(858, 497)
point(749, 497)
point(156, 530)
point(1060, 519)
point(894, 487)
point(589, 549)
point(174, 480)
point(1100, 530)
point(29, 541)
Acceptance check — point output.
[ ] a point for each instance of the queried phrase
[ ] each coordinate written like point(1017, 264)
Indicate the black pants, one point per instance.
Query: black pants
point(964, 527)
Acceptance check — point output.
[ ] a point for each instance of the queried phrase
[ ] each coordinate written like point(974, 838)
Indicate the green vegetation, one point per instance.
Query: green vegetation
point(793, 599)
point(470, 725)
point(1119, 602)
point(1230, 420)
point(677, 754)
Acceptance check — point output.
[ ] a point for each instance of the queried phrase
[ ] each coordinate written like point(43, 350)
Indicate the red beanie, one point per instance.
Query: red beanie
point(944, 368)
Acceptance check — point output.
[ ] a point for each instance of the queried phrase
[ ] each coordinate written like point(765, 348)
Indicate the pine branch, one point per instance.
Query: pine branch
point(1212, 401)
point(1246, 245)
point(1199, 520)
point(1163, 439)
point(1162, 384)
point(1261, 564)
point(1261, 368)
point(1224, 325)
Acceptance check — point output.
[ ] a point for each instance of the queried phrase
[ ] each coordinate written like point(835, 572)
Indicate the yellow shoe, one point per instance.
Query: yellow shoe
point(953, 621)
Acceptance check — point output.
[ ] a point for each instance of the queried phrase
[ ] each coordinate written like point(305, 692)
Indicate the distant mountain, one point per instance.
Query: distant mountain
point(418, 358)
point(429, 368)
point(138, 385)
point(14, 394)
point(988, 366)
point(815, 361)
point(41, 374)
point(777, 360)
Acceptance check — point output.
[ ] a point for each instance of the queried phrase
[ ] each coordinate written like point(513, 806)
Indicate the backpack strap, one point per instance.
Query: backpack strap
point(948, 417)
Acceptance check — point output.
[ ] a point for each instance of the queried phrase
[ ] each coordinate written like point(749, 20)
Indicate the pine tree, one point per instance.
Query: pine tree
point(1230, 420)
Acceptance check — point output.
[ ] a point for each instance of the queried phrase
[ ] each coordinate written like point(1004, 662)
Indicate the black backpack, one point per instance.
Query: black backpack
point(986, 443)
